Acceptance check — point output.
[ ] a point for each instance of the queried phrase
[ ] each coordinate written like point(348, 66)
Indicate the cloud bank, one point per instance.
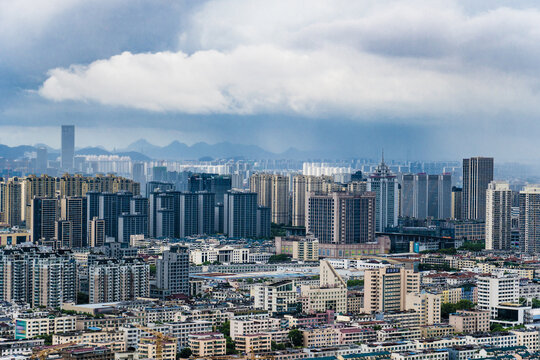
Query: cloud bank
point(359, 60)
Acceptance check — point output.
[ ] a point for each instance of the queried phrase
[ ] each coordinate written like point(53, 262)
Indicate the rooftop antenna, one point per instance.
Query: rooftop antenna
point(383, 155)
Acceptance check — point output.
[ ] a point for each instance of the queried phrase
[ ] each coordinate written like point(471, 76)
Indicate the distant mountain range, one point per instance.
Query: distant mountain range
point(142, 150)
point(223, 150)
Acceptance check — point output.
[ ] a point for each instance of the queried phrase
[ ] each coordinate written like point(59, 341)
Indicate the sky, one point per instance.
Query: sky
point(428, 80)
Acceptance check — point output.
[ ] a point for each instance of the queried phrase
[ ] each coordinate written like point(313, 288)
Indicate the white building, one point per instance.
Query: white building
point(498, 216)
point(494, 290)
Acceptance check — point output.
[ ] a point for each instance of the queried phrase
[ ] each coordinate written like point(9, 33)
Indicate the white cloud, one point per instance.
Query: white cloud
point(323, 58)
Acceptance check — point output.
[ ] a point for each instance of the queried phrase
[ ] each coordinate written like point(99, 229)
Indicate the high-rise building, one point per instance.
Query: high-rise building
point(264, 221)
point(68, 146)
point(42, 186)
point(131, 224)
point(240, 214)
point(42, 159)
point(108, 211)
point(96, 235)
point(385, 289)
point(383, 183)
point(498, 216)
point(280, 199)
point(73, 209)
point(45, 213)
point(477, 174)
point(212, 183)
point(64, 234)
point(299, 200)
point(341, 218)
point(455, 209)
point(529, 219)
point(495, 290)
point(261, 184)
point(172, 271)
point(118, 280)
point(29, 275)
point(138, 173)
point(12, 201)
point(425, 196)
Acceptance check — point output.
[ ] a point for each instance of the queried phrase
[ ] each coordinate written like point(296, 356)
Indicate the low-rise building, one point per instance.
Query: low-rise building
point(469, 321)
point(253, 343)
point(148, 349)
point(30, 327)
point(207, 344)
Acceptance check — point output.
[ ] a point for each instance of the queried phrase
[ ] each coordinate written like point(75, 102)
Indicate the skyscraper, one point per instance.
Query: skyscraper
point(477, 174)
point(455, 209)
point(529, 219)
point(96, 234)
point(68, 146)
point(73, 209)
point(341, 218)
point(383, 183)
point(425, 196)
point(240, 214)
point(498, 216)
point(41, 159)
point(45, 213)
point(280, 199)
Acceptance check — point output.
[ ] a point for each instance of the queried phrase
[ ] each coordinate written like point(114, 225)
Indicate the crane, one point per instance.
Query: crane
point(160, 339)
point(42, 354)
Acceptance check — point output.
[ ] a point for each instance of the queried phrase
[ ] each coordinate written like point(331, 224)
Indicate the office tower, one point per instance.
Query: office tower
point(341, 218)
point(495, 290)
point(73, 209)
point(218, 219)
point(407, 195)
point(455, 209)
point(264, 221)
point(92, 205)
point(37, 278)
point(138, 173)
point(385, 289)
point(45, 213)
point(12, 201)
point(383, 183)
point(188, 214)
point(240, 214)
point(529, 219)
point(280, 199)
point(158, 186)
point(118, 280)
point(261, 184)
point(42, 186)
point(68, 146)
point(108, 211)
point(63, 234)
point(477, 174)
point(172, 271)
point(498, 216)
point(420, 197)
point(96, 236)
point(41, 159)
point(131, 224)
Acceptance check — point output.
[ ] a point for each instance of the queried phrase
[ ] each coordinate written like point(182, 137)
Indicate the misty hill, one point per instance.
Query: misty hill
point(180, 151)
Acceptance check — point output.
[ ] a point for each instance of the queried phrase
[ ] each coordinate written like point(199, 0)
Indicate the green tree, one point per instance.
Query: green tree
point(47, 338)
point(296, 337)
point(496, 327)
point(225, 328)
point(153, 270)
point(185, 353)
point(275, 346)
point(355, 282)
point(535, 303)
point(473, 246)
point(449, 308)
